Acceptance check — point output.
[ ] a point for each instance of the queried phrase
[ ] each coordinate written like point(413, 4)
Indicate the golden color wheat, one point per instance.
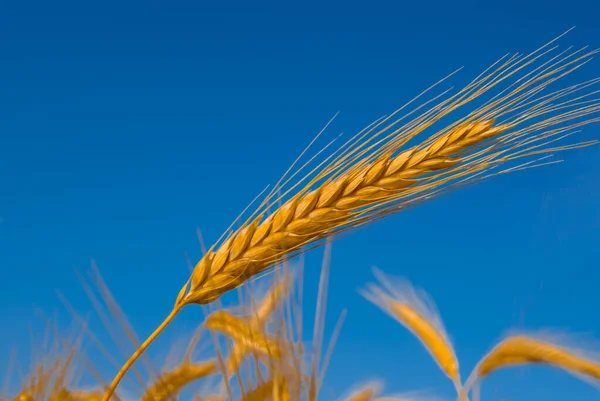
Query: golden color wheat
point(169, 384)
point(375, 174)
point(367, 393)
point(242, 333)
point(523, 350)
point(287, 375)
point(258, 320)
point(417, 313)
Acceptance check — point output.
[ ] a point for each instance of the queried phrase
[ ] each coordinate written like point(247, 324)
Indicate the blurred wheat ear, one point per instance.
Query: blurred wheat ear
point(520, 350)
point(376, 173)
point(416, 311)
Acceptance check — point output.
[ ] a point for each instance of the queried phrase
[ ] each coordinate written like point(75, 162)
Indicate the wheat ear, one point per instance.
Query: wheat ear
point(79, 395)
point(258, 318)
point(242, 333)
point(281, 390)
point(524, 350)
point(371, 176)
point(415, 311)
point(169, 384)
point(359, 187)
point(366, 393)
point(261, 392)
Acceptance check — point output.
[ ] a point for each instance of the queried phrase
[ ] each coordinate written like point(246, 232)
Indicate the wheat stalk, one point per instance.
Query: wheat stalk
point(370, 176)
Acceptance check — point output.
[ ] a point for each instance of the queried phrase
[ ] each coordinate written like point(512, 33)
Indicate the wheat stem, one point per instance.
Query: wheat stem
point(113, 385)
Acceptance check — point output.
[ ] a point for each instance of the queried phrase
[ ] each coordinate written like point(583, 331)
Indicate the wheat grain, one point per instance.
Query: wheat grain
point(371, 176)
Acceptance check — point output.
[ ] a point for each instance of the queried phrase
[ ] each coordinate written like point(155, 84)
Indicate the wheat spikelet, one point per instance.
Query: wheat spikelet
point(418, 314)
point(373, 175)
point(524, 350)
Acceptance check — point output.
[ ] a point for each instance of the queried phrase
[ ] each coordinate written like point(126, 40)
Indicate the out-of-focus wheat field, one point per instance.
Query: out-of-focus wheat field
point(126, 126)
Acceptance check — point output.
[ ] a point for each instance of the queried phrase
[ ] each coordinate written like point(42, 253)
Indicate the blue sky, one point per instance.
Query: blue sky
point(124, 126)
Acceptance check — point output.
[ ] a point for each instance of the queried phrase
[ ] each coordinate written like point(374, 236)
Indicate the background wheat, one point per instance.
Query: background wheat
point(257, 354)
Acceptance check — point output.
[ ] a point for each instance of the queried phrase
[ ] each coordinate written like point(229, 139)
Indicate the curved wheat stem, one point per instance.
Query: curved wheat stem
point(374, 175)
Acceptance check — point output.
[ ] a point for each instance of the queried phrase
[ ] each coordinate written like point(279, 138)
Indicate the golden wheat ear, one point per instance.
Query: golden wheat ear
point(169, 384)
point(366, 392)
point(416, 311)
point(376, 173)
point(521, 350)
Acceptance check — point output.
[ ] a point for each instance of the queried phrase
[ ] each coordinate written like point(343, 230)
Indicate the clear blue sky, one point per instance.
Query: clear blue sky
point(126, 125)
